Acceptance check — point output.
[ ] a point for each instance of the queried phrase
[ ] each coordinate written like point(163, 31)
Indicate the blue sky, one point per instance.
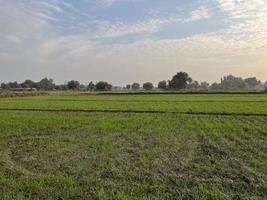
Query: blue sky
point(122, 41)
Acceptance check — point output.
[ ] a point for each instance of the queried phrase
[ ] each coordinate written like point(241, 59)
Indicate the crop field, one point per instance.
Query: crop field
point(76, 146)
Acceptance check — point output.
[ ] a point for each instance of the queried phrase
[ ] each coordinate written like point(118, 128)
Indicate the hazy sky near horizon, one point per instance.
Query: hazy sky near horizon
point(124, 41)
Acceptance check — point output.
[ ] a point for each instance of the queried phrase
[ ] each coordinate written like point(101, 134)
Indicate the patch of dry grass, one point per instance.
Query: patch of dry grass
point(21, 94)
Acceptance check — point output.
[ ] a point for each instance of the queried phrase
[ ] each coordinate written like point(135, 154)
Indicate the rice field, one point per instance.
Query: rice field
point(76, 146)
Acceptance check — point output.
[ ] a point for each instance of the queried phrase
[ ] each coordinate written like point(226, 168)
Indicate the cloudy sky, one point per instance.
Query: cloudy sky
point(122, 41)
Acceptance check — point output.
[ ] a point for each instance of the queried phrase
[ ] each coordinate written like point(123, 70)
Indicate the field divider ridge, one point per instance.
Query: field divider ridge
point(134, 111)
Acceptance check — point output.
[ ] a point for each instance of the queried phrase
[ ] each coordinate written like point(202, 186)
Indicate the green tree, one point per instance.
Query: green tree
point(252, 83)
point(13, 85)
point(231, 83)
point(204, 85)
point(135, 86)
point(163, 85)
point(148, 86)
point(45, 84)
point(28, 84)
point(91, 86)
point(179, 81)
point(128, 87)
point(103, 86)
point(73, 85)
point(215, 86)
point(193, 85)
point(4, 86)
point(61, 87)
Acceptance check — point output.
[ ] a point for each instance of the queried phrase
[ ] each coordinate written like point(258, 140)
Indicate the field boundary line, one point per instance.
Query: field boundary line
point(172, 93)
point(135, 111)
point(141, 101)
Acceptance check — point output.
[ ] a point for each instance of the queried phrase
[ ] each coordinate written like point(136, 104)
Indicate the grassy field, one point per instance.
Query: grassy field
point(182, 103)
point(193, 153)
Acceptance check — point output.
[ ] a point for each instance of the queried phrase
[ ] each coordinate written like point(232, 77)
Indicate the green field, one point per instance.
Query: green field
point(188, 150)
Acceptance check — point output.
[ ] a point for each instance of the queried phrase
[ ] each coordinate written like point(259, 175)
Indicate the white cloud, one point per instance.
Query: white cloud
point(35, 43)
point(109, 30)
point(107, 3)
point(251, 27)
point(45, 17)
point(68, 5)
point(199, 14)
point(106, 29)
point(241, 8)
point(136, 60)
point(51, 6)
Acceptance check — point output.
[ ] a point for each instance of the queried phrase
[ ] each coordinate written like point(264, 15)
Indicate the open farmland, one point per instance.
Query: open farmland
point(73, 146)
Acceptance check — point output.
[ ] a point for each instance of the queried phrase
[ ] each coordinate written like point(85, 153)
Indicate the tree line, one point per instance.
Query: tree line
point(49, 85)
point(180, 81)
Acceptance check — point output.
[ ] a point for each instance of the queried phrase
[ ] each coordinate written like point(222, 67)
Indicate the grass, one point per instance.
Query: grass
point(187, 103)
point(49, 155)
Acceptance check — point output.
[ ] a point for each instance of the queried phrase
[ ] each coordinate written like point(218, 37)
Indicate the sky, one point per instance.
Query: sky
point(126, 41)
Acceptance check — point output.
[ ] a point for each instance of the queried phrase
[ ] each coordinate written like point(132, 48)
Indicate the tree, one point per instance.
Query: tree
point(13, 85)
point(265, 87)
point(215, 86)
point(28, 84)
point(83, 87)
point(148, 86)
point(91, 86)
point(4, 86)
point(232, 83)
point(163, 85)
point(194, 85)
point(61, 87)
point(135, 86)
point(103, 86)
point(73, 85)
point(252, 83)
point(45, 84)
point(128, 87)
point(180, 81)
point(204, 85)
point(10, 85)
